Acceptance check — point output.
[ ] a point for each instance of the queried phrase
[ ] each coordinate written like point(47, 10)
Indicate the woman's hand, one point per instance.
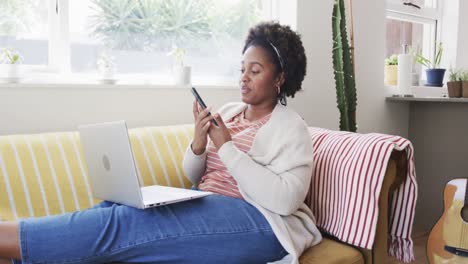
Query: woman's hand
point(202, 124)
point(219, 134)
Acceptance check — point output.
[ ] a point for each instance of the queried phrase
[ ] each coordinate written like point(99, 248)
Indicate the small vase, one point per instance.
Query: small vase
point(391, 74)
point(12, 72)
point(415, 79)
point(183, 75)
point(107, 73)
point(454, 89)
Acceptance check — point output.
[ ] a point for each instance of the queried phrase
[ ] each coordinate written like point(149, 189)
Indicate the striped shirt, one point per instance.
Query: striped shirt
point(217, 178)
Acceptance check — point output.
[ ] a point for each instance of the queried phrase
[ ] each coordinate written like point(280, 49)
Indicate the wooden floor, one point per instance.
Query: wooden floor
point(419, 250)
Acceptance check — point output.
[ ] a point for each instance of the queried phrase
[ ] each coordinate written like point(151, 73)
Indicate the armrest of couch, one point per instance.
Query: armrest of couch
point(334, 251)
point(394, 176)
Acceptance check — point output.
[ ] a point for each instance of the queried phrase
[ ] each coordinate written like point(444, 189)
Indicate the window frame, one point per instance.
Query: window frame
point(424, 12)
point(425, 15)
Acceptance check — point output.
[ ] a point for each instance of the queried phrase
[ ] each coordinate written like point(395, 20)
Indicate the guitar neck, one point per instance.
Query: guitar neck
point(466, 192)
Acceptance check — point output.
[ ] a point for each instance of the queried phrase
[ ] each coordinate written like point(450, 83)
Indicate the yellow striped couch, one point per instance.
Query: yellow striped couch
point(45, 174)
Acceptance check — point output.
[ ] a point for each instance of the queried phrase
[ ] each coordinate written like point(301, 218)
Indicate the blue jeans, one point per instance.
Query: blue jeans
point(213, 229)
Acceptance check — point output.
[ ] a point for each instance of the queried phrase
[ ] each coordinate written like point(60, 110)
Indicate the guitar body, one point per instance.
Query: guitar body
point(448, 239)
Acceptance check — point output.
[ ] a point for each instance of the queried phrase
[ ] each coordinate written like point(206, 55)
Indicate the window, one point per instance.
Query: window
point(414, 23)
point(24, 26)
point(137, 35)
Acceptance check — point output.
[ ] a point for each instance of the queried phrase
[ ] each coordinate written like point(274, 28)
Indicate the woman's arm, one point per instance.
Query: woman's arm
point(280, 193)
point(194, 165)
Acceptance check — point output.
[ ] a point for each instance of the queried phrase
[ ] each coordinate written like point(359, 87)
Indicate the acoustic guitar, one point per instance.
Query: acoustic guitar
point(448, 239)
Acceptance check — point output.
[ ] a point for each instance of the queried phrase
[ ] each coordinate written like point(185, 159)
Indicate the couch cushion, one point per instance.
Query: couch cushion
point(332, 252)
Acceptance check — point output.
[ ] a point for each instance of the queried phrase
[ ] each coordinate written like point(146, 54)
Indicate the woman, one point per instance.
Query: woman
point(258, 161)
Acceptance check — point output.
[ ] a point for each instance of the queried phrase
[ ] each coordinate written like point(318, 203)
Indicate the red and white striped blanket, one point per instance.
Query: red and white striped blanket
point(347, 178)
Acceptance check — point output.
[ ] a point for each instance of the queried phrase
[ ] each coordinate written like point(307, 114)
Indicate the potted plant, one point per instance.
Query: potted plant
point(391, 70)
point(106, 68)
point(434, 74)
point(11, 58)
point(182, 73)
point(454, 85)
point(464, 83)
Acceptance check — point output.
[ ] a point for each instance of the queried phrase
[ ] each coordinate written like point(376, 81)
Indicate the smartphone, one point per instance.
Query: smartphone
point(200, 102)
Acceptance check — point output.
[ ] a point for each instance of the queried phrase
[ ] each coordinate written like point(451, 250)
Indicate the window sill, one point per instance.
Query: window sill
point(422, 94)
point(427, 99)
point(121, 81)
point(418, 91)
point(30, 85)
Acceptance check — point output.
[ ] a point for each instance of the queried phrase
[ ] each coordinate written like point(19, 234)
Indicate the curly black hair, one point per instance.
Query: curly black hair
point(286, 51)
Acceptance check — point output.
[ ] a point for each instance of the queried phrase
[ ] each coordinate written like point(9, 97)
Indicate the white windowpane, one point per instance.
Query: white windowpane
point(419, 36)
point(425, 3)
point(140, 34)
point(24, 27)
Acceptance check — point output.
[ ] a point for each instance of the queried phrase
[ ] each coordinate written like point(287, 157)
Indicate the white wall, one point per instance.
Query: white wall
point(462, 51)
point(449, 32)
point(319, 100)
point(455, 34)
point(30, 110)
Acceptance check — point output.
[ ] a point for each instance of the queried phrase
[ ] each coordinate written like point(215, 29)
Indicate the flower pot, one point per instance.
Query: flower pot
point(11, 72)
point(183, 75)
point(454, 89)
point(391, 74)
point(435, 77)
point(465, 89)
point(107, 73)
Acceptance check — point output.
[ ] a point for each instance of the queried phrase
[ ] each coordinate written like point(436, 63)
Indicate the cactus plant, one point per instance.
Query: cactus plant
point(343, 70)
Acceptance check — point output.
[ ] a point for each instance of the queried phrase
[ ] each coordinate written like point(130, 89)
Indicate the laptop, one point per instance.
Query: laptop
point(113, 173)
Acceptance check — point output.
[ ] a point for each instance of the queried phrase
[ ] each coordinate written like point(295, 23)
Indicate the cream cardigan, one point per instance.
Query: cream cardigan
point(274, 176)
